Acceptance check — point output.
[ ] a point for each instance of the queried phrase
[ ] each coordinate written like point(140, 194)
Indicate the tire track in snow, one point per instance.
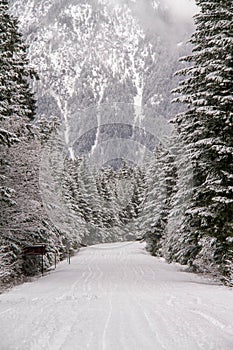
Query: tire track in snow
point(5, 311)
point(117, 299)
point(104, 337)
point(151, 324)
point(159, 320)
point(215, 322)
point(134, 296)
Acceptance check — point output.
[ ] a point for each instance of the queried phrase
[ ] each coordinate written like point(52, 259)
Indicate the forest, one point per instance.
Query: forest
point(180, 201)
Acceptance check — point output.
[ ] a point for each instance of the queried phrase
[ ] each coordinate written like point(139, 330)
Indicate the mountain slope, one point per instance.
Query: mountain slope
point(92, 52)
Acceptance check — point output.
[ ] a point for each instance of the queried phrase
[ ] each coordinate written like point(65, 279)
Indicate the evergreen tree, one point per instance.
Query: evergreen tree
point(17, 104)
point(161, 180)
point(206, 127)
point(132, 201)
point(23, 218)
point(178, 243)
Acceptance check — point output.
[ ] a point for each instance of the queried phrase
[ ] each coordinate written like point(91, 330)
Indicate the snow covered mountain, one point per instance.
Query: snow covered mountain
point(92, 52)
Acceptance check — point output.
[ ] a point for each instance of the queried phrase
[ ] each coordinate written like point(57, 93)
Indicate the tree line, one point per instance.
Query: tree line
point(189, 206)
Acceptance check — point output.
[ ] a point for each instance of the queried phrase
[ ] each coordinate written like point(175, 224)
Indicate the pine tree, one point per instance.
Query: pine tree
point(178, 243)
point(151, 204)
point(23, 218)
point(206, 127)
point(161, 180)
point(17, 104)
point(132, 202)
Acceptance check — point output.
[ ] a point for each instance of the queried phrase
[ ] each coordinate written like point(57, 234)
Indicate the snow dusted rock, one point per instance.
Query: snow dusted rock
point(102, 51)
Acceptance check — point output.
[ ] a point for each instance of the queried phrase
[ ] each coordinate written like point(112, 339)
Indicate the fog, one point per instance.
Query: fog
point(171, 19)
point(181, 10)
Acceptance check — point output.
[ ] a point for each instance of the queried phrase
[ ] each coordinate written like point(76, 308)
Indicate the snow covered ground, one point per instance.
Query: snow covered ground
point(113, 297)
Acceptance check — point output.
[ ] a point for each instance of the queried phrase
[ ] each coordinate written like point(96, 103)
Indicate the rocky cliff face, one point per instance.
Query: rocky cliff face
point(94, 52)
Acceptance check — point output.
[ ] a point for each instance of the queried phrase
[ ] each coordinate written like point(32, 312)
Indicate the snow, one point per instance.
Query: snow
point(116, 296)
point(97, 133)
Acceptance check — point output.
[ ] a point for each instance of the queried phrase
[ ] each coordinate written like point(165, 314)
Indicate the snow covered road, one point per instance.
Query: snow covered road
point(117, 297)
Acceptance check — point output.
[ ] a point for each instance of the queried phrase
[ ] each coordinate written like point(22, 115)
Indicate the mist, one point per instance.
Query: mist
point(181, 10)
point(170, 19)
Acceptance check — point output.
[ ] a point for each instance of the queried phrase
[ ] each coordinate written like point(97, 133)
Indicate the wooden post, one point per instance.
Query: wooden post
point(42, 264)
point(55, 260)
point(68, 251)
